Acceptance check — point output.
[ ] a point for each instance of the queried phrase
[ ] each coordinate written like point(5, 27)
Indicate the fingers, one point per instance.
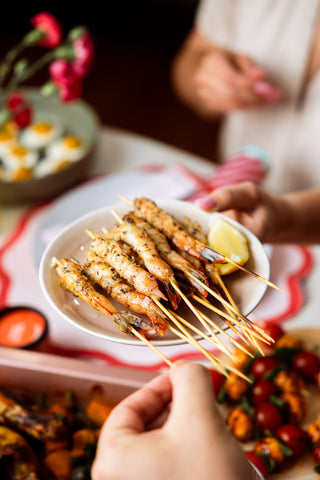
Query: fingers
point(139, 409)
point(243, 196)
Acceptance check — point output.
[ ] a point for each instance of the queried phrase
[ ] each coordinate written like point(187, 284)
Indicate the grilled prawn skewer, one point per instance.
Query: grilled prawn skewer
point(139, 240)
point(73, 278)
point(175, 231)
point(173, 258)
point(112, 252)
point(105, 276)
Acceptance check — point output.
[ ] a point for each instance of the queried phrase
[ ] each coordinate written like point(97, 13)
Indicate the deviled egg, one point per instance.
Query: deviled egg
point(68, 147)
point(40, 134)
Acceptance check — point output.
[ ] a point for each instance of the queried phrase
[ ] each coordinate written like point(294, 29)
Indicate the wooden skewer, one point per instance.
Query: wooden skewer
point(228, 319)
point(188, 337)
point(246, 332)
point(217, 343)
point(150, 345)
point(219, 312)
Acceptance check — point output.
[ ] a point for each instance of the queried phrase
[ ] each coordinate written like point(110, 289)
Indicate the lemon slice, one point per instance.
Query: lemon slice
point(226, 239)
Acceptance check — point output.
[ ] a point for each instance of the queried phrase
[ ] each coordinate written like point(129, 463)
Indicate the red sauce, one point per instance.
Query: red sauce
point(21, 327)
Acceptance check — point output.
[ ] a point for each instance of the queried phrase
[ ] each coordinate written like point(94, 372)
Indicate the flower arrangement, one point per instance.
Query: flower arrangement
point(68, 62)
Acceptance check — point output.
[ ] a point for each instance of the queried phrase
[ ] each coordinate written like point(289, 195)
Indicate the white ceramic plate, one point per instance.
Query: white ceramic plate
point(73, 241)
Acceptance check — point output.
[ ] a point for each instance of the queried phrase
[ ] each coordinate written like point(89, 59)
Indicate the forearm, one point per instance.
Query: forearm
point(298, 217)
point(183, 72)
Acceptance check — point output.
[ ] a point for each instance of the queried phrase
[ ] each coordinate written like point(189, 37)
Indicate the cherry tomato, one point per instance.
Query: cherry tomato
point(268, 417)
point(217, 380)
point(316, 453)
point(307, 363)
point(257, 461)
point(294, 438)
point(262, 390)
point(273, 330)
point(261, 365)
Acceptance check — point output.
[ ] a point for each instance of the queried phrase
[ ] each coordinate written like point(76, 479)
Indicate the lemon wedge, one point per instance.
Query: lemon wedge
point(226, 239)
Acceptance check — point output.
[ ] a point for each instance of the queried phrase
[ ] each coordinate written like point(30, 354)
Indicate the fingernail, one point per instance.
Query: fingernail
point(205, 203)
point(267, 91)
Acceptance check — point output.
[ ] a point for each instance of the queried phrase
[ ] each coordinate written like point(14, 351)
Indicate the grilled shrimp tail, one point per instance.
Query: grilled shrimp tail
point(211, 255)
point(173, 297)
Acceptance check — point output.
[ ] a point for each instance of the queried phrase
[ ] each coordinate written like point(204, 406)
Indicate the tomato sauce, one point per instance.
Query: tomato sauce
point(22, 327)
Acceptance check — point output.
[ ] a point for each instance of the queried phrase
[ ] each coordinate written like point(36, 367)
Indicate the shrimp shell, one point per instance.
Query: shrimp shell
point(111, 251)
point(105, 276)
point(174, 230)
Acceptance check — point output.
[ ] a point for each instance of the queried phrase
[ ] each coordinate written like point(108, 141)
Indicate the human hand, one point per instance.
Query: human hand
point(170, 429)
point(226, 81)
point(263, 214)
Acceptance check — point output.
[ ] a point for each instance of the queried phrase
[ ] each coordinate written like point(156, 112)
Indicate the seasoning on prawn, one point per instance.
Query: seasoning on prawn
point(128, 232)
point(104, 275)
point(111, 251)
point(172, 257)
point(72, 278)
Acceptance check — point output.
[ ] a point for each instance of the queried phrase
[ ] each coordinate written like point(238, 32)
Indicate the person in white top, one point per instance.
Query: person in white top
point(256, 64)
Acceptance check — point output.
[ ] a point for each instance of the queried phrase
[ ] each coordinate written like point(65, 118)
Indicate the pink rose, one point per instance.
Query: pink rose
point(84, 49)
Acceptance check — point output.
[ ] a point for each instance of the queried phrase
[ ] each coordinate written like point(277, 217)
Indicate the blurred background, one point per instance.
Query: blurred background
point(129, 85)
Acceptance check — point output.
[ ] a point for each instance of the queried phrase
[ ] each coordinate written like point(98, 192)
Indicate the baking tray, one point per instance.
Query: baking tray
point(41, 372)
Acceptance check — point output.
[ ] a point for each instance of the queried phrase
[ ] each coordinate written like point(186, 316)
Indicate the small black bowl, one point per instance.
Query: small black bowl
point(22, 327)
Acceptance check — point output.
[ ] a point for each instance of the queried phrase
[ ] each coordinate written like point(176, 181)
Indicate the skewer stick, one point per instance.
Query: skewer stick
point(248, 333)
point(194, 310)
point(190, 339)
point(149, 344)
point(219, 312)
point(220, 344)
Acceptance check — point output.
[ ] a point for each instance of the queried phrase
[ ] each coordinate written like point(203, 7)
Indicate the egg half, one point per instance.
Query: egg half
point(68, 147)
point(40, 134)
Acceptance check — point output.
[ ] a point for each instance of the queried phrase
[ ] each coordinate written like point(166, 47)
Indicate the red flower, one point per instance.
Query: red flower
point(83, 49)
point(21, 111)
point(48, 24)
point(70, 93)
point(62, 73)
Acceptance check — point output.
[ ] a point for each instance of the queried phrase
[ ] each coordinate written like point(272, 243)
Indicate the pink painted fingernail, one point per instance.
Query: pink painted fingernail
point(267, 91)
point(206, 202)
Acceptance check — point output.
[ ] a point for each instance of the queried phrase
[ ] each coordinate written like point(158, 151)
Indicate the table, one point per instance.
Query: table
point(120, 151)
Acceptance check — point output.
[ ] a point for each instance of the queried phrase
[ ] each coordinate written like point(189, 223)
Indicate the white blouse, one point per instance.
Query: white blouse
point(278, 35)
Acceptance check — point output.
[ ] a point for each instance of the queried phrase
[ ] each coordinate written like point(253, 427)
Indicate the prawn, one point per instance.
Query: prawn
point(112, 252)
point(104, 275)
point(173, 258)
point(73, 278)
point(174, 230)
point(139, 240)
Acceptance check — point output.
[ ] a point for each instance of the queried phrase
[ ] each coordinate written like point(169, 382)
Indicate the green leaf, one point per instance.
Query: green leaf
point(20, 66)
point(77, 32)
point(245, 405)
point(33, 37)
point(286, 354)
point(317, 467)
point(278, 402)
point(270, 463)
point(48, 89)
point(222, 393)
point(65, 53)
point(271, 374)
